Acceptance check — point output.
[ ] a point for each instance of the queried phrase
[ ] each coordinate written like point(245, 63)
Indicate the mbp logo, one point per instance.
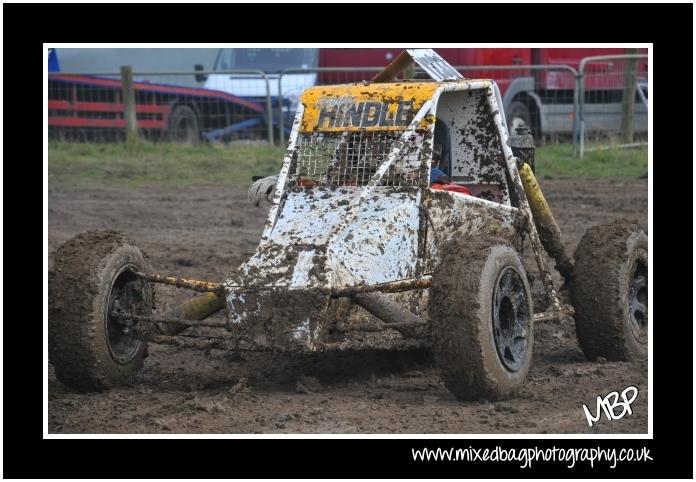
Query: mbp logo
point(610, 403)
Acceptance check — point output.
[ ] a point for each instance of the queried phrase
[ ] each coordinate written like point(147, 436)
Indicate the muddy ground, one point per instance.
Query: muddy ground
point(203, 232)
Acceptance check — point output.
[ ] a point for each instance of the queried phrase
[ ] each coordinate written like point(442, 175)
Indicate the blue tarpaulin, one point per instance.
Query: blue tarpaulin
point(53, 65)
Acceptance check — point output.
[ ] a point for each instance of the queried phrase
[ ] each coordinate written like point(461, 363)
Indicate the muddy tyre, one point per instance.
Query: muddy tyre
point(93, 275)
point(480, 308)
point(610, 292)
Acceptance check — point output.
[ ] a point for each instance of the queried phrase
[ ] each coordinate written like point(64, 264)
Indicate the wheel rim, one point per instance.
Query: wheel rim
point(510, 319)
point(638, 302)
point(127, 295)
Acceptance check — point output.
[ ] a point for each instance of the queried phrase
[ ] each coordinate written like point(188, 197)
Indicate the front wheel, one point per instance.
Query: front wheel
point(94, 277)
point(610, 292)
point(480, 308)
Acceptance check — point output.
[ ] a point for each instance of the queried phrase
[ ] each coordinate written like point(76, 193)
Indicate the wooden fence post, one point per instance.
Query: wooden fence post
point(628, 104)
point(128, 95)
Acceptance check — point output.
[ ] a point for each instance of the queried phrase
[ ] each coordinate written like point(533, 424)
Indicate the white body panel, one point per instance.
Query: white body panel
point(250, 85)
point(312, 245)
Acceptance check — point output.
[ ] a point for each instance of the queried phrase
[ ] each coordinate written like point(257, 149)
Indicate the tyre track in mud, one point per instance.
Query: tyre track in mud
point(206, 232)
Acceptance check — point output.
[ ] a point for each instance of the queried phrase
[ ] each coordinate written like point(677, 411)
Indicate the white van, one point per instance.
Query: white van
point(109, 60)
point(272, 61)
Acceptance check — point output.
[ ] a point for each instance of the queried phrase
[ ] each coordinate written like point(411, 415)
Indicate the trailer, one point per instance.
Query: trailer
point(90, 107)
point(536, 84)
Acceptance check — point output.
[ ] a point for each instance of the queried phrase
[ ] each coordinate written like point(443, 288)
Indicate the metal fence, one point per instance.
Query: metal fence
point(109, 106)
point(613, 102)
point(541, 97)
point(590, 106)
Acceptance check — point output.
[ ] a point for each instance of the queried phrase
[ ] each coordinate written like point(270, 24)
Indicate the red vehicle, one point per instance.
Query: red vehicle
point(88, 107)
point(540, 98)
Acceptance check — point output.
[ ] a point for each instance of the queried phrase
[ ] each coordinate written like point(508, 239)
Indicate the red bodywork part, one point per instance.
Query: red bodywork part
point(451, 187)
point(473, 57)
point(102, 106)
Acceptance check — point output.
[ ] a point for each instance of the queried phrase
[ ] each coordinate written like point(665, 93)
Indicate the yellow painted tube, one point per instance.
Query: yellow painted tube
point(549, 232)
point(201, 306)
point(536, 199)
point(196, 309)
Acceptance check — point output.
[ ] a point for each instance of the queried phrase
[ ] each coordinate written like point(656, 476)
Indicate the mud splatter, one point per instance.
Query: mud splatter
point(183, 391)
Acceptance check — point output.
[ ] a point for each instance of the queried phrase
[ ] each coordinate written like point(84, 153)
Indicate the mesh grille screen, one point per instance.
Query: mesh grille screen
point(352, 159)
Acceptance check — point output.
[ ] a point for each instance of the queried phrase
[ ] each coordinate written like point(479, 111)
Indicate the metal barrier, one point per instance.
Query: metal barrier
point(612, 101)
point(96, 107)
point(592, 102)
point(543, 97)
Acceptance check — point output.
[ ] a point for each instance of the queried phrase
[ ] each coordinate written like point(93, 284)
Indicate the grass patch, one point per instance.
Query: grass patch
point(147, 163)
point(557, 161)
point(121, 164)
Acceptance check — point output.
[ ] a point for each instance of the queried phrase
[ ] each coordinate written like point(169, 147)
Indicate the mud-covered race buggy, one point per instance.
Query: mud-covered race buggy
point(361, 251)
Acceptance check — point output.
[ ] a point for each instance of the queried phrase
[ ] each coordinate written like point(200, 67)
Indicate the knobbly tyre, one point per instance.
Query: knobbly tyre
point(361, 251)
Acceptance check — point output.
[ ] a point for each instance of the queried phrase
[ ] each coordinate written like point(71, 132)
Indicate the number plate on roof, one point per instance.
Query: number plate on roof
point(434, 65)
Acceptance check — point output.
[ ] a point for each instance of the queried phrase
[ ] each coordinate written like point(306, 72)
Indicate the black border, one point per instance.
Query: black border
point(26, 454)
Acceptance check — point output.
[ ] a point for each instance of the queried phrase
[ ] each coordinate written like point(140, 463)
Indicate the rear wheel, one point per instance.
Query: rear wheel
point(480, 308)
point(183, 125)
point(610, 292)
point(92, 278)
